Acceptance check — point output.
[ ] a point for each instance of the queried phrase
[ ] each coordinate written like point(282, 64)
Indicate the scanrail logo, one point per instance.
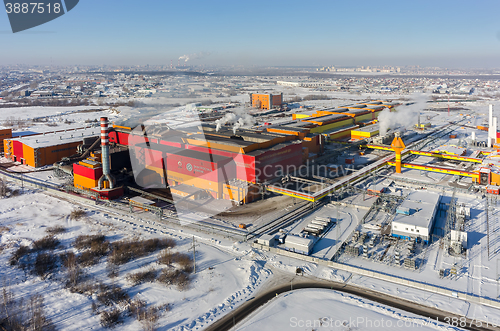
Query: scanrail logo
point(24, 15)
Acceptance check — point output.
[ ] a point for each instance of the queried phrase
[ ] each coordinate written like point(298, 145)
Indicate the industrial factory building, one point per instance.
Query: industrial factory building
point(299, 245)
point(225, 165)
point(94, 173)
point(44, 149)
point(86, 174)
point(231, 163)
point(221, 161)
point(415, 216)
point(4, 134)
point(365, 132)
point(266, 101)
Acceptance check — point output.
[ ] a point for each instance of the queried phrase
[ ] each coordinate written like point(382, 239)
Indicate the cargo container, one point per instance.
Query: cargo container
point(312, 231)
point(322, 223)
point(316, 226)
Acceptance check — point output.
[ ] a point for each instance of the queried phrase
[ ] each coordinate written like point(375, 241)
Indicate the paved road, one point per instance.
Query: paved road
point(229, 320)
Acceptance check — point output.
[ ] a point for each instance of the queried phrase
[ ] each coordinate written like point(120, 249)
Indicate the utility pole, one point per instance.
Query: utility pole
point(337, 224)
point(498, 279)
point(194, 254)
point(488, 226)
point(448, 105)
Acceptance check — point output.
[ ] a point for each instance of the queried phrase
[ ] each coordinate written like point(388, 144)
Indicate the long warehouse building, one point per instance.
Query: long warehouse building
point(44, 149)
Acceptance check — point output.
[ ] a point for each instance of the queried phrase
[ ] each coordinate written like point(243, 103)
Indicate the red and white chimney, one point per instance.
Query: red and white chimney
point(106, 172)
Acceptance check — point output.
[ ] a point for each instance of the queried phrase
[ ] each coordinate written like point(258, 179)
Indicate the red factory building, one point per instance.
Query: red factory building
point(222, 164)
point(233, 165)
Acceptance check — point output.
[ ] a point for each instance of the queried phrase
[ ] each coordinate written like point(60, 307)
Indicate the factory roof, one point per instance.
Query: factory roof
point(308, 112)
point(375, 108)
point(59, 138)
point(372, 103)
point(299, 241)
point(450, 149)
point(222, 140)
point(341, 128)
point(290, 129)
point(326, 119)
point(493, 158)
point(355, 106)
point(356, 111)
point(369, 128)
point(207, 157)
point(245, 135)
point(299, 124)
point(335, 110)
point(228, 133)
point(423, 205)
point(273, 148)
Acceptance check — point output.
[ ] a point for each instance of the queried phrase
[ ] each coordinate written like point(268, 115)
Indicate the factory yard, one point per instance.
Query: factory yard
point(245, 190)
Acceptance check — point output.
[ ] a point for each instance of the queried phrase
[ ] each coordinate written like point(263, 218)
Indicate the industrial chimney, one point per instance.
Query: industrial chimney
point(490, 127)
point(106, 175)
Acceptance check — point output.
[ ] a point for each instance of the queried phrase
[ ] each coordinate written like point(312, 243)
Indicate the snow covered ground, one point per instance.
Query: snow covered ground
point(226, 275)
point(318, 309)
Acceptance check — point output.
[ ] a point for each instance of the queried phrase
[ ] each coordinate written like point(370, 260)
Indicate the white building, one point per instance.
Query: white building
point(299, 244)
point(267, 240)
point(301, 84)
point(415, 216)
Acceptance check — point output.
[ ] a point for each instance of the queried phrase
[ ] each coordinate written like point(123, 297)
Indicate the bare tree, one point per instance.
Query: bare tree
point(149, 318)
point(3, 189)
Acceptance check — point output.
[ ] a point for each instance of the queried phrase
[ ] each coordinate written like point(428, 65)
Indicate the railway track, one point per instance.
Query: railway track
point(285, 220)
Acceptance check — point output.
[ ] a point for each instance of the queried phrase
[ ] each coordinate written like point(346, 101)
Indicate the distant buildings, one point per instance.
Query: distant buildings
point(384, 69)
point(302, 84)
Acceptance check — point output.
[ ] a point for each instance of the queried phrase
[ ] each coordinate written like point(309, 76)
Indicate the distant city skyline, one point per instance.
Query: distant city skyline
point(453, 34)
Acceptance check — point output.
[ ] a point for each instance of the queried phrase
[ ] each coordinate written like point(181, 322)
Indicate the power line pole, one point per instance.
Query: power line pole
point(194, 254)
point(488, 226)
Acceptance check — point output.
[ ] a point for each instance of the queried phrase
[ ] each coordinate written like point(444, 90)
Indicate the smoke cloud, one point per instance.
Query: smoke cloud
point(405, 116)
point(195, 56)
point(238, 118)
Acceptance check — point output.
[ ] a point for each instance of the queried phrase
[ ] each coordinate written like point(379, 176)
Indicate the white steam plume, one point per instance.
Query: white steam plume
point(228, 118)
point(238, 118)
point(405, 116)
point(194, 56)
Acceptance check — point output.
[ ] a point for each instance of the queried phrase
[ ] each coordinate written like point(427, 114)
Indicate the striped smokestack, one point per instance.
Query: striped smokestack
point(105, 145)
point(106, 175)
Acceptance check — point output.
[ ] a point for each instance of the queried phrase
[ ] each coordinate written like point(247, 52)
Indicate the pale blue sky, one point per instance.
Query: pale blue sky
point(427, 33)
